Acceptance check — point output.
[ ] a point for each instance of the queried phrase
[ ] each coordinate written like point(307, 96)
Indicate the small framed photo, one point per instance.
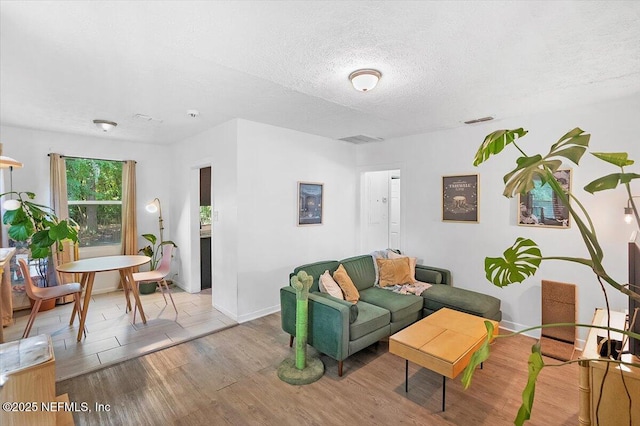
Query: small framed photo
point(310, 203)
point(460, 198)
point(542, 208)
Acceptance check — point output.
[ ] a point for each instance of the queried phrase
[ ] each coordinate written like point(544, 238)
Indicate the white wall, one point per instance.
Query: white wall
point(32, 146)
point(216, 147)
point(256, 242)
point(461, 247)
point(271, 161)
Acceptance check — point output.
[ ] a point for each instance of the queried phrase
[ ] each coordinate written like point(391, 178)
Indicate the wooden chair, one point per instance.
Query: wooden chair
point(69, 253)
point(39, 294)
point(158, 275)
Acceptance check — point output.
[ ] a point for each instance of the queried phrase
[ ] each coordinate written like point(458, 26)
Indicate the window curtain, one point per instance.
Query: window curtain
point(60, 206)
point(58, 178)
point(129, 223)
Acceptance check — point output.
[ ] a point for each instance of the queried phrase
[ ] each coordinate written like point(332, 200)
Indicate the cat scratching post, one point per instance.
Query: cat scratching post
point(301, 370)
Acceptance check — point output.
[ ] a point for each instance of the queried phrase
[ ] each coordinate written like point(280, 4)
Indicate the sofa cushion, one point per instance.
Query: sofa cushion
point(394, 271)
point(370, 318)
point(428, 276)
point(399, 305)
point(328, 285)
point(353, 307)
point(471, 302)
point(315, 270)
point(360, 270)
point(346, 284)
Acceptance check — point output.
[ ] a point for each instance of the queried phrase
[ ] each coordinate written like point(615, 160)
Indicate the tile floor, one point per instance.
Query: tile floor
point(111, 335)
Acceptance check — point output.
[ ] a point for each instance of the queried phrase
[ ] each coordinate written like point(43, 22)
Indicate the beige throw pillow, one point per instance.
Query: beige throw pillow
point(412, 263)
point(394, 271)
point(349, 289)
point(328, 285)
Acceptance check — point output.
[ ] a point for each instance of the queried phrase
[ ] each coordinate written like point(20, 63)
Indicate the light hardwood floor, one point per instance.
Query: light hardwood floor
point(230, 378)
point(111, 335)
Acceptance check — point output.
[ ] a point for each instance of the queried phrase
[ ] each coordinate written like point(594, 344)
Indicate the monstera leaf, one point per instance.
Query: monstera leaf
point(520, 261)
point(478, 357)
point(495, 143)
point(620, 159)
point(522, 179)
point(610, 181)
point(571, 146)
point(535, 366)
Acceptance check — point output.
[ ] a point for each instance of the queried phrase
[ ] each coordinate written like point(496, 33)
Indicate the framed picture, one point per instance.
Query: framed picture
point(460, 198)
point(541, 206)
point(310, 203)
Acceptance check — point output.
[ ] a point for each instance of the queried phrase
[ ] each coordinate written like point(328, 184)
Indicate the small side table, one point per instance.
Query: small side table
point(28, 367)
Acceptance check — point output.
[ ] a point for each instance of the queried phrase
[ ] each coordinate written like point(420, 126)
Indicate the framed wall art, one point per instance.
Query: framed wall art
point(541, 206)
point(460, 198)
point(310, 203)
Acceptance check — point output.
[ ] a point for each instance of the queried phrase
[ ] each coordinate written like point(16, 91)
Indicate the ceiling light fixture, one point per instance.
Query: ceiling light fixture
point(364, 80)
point(105, 125)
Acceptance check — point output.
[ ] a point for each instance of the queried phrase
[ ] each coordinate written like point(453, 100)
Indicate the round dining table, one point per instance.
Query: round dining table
point(124, 264)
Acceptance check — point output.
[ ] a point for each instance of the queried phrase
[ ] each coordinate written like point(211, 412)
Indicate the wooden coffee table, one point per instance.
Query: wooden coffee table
point(442, 342)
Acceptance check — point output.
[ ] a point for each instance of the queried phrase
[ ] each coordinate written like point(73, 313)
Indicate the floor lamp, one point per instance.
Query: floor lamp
point(153, 207)
point(10, 163)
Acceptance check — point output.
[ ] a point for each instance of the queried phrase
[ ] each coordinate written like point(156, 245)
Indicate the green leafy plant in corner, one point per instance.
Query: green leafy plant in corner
point(38, 225)
point(523, 258)
point(154, 249)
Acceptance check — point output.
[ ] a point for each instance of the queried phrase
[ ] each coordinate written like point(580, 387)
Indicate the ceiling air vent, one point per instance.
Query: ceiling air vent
point(360, 139)
point(479, 120)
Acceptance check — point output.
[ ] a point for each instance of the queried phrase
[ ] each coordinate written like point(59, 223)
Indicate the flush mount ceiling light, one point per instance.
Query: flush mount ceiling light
point(105, 125)
point(364, 80)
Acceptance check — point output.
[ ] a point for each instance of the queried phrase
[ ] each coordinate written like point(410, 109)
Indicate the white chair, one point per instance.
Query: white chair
point(158, 275)
point(39, 294)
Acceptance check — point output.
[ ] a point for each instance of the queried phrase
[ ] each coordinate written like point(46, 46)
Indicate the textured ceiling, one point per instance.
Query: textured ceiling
point(65, 63)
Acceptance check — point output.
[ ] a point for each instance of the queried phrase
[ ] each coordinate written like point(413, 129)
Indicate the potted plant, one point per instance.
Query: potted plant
point(40, 228)
point(154, 251)
point(523, 258)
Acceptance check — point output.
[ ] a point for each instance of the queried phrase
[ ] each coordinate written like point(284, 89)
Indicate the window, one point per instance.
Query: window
point(94, 192)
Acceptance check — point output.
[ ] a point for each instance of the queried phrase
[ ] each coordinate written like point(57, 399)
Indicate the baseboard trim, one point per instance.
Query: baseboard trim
point(258, 314)
point(515, 327)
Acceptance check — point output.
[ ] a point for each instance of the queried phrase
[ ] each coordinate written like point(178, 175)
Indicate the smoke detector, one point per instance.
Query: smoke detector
point(193, 113)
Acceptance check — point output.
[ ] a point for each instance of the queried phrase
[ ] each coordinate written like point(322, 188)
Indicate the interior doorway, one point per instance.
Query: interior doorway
point(205, 228)
point(381, 226)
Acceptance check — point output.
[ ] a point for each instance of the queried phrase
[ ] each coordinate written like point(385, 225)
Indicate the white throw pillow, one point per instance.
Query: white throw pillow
point(378, 254)
point(328, 285)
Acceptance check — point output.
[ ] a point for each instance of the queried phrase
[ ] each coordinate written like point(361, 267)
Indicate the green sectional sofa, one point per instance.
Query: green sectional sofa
point(338, 328)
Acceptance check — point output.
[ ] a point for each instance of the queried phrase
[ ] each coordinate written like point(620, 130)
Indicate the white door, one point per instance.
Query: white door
point(394, 211)
point(381, 228)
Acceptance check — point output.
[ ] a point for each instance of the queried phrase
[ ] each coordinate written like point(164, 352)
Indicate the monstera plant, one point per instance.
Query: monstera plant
point(522, 259)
